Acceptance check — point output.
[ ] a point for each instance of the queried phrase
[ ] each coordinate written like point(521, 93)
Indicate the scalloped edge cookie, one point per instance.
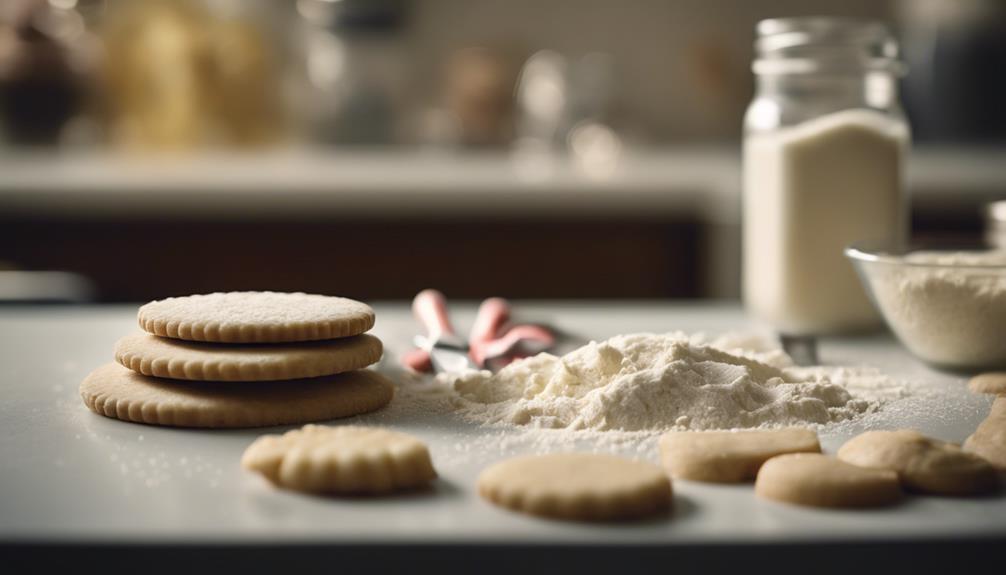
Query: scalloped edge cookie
point(255, 317)
point(198, 361)
point(341, 460)
point(114, 391)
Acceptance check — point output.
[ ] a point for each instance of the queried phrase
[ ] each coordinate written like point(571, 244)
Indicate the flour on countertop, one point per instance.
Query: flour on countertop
point(655, 382)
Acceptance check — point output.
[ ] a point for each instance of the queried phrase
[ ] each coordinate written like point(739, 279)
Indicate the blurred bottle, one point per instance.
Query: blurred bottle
point(179, 77)
point(479, 94)
point(348, 71)
point(566, 105)
point(42, 72)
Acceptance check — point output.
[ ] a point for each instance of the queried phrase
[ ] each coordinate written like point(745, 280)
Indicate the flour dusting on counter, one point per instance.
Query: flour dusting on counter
point(651, 382)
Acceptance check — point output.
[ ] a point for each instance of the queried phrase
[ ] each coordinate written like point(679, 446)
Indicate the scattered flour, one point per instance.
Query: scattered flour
point(654, 382)
point(949, 317)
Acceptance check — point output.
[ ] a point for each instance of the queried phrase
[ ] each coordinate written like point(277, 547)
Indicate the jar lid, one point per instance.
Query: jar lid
point(824, 44)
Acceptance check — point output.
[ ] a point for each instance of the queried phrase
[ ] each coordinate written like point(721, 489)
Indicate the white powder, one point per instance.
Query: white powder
point(949, 317)
point(652, 382)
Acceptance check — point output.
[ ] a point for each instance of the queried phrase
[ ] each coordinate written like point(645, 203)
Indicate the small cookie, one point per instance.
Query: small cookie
point(197, 361)
point(820, 481)
point(923, 464)
point(729, 456)
point(577, 486)
point(989, 440)
point(255, 317)
point(992, 382)
point(117, 392)
point(346, 459)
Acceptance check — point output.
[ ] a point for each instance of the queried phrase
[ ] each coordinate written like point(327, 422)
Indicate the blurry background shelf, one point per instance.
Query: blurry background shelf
point(386, 224)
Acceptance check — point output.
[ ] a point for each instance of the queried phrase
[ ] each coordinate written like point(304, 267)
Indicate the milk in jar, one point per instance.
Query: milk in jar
point(823, 154)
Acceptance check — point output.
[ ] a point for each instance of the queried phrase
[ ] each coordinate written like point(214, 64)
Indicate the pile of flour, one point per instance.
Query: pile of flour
point(953, 317)
point(655, 382)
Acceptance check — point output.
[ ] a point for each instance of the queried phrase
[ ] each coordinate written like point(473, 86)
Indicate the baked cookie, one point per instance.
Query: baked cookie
point(346, 459)
point(992, 382)
point(820, 481)
point(199, 361)
point(729, 456)
point(120, 393)
point(577, 486)
point(989, 440)
point(255, 317)
point(923, 464)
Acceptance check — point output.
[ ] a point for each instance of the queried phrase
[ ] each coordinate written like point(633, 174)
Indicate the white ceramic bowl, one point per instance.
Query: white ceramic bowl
point(947, 306)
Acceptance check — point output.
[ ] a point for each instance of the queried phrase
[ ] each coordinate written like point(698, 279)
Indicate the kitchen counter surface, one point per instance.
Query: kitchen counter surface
point(71, 477)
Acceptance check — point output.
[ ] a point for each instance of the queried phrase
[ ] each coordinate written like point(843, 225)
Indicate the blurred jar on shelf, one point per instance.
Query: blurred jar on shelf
point(46, 59)
point(182, 74)
point(346, 83)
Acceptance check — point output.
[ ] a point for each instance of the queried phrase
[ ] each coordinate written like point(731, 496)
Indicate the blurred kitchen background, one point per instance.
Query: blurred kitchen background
point(372, 148)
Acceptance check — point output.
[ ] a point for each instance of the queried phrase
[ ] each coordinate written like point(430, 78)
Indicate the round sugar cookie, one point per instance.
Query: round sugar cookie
point(200, 361)
point(580, 486)
point(117, 392)
point(730, 456)
point(992, 382)
point(345, 459)
point(923, 464)
point(989, 440)
point(255, 317)
point(820, 481)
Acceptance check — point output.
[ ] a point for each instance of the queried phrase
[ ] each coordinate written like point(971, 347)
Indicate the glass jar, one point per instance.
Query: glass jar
point(825, 140)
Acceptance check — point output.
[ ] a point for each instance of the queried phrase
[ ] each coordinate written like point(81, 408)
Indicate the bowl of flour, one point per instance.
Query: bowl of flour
point(948, 307)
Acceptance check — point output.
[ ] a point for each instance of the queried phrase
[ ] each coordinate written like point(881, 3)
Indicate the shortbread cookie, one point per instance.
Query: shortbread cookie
point(993, 382)
point(256, 317)
point(117, 392)
point(923, 464)
point(821, 481)
point(989, 440)
point(577, 486)
point(199, 361)
point(729, 456)
point(347, 459)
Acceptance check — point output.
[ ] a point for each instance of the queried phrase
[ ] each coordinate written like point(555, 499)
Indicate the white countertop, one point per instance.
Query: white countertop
point(71, 476)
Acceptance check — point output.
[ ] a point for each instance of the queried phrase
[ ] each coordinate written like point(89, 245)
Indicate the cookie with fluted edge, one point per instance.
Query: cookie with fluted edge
point(200, 361)
point(578, 486)
point(255, 317)
point(923, 464)
point(817, 480)
point(730, 456)
point(120, 393)
point(341, 460)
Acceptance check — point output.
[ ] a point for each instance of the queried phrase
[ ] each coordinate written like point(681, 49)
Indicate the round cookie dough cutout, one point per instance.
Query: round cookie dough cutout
point(989, 440)
point(255, 317)
point(117, 392)
point(923, 464)
point(341, 460)
point(199, 361)
point(730, 456)
point(578, 486)
point(992, 383)
point(816, 480)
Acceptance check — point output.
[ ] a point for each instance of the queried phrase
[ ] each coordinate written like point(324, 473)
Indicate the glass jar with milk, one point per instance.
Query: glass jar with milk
point(825, 139)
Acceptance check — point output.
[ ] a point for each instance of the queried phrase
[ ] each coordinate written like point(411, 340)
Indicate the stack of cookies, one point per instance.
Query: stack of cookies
point(243, 359)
